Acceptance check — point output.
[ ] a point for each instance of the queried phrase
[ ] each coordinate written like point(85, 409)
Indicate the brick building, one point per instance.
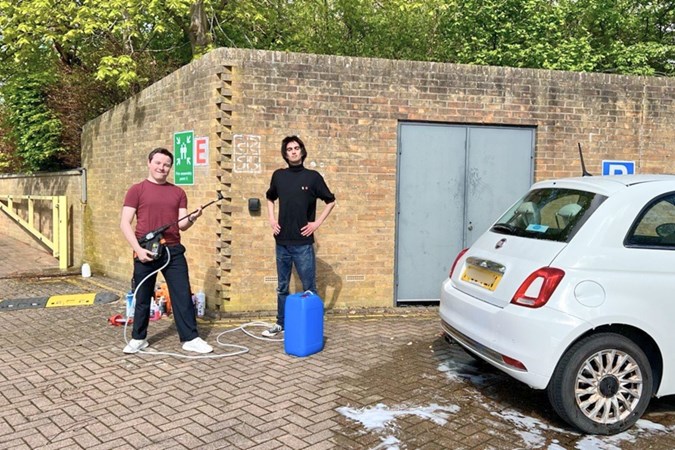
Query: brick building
point(349, 111)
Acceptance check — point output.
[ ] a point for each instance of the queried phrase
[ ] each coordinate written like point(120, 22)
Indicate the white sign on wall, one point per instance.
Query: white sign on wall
point(246, 153)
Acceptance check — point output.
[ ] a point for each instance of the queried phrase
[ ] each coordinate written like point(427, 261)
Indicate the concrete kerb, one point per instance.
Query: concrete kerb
point(219, 318)
point(103, 290)
point(236, 319)
point(51, 272)
point(61, 300)
point(81, 291)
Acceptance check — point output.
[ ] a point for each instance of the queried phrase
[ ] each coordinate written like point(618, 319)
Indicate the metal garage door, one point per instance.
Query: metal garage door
point(453, 182)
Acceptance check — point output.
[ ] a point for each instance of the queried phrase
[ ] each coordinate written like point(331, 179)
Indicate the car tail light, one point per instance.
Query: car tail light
point(459, 256)
point(537, 289)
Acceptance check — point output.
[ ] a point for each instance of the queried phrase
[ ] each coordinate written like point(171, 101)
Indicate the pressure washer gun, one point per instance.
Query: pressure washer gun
point(154, 240)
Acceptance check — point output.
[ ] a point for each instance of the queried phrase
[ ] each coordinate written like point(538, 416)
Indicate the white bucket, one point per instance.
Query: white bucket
point(86, 270)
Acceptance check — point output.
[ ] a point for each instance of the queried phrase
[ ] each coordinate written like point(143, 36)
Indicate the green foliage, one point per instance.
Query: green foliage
point(120, 46)
point(619, 36)
point(34, 129)
point(9, 162)
point(106, 50)
point(630, 37)
point(118, 40)
point(121, 69)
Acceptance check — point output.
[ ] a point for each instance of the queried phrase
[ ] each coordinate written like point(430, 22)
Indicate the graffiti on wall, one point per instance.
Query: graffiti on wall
point(246, 153)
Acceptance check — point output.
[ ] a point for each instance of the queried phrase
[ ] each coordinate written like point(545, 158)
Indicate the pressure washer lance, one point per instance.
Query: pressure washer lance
point(154, 240)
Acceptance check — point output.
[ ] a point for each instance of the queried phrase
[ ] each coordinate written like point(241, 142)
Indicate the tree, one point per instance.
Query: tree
point(38, 140)
point(629, 36)
point(116, 47)
point(106, 50)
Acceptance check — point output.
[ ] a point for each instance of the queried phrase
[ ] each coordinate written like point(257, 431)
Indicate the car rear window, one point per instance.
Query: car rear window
point(552, 214)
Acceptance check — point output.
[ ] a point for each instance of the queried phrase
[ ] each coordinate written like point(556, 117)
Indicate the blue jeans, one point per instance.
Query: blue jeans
point(302, 256)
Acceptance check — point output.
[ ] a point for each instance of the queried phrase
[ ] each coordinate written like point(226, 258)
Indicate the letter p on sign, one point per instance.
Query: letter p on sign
point(618, 167)
point(202, 151)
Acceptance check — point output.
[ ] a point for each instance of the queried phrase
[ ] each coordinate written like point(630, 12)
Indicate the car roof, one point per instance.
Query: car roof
point(606, 185)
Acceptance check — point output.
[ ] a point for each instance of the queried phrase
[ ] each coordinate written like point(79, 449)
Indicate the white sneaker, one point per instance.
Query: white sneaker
point(197, 345)
point(276, 329)
point(135, 345)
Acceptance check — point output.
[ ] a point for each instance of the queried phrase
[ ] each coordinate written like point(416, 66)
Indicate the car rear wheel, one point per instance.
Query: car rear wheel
point(602, 384)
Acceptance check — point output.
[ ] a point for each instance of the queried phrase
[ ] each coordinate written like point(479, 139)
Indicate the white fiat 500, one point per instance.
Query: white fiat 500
point(572, 290)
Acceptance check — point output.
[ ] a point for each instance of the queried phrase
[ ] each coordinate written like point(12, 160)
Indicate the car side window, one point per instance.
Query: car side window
point(655, 225)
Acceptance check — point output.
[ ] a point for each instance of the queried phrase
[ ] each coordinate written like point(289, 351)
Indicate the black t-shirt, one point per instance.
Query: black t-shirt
point(297, 189)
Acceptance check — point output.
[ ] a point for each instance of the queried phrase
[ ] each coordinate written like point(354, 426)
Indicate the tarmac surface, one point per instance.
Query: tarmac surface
point(386, 379)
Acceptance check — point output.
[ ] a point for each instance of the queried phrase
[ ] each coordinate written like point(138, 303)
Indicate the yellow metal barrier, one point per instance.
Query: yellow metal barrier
point(59, 205)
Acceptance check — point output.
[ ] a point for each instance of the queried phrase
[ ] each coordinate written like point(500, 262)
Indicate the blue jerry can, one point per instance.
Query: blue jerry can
point(303, 324)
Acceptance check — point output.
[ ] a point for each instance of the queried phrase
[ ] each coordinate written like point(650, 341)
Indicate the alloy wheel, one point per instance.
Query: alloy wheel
point(608, 386)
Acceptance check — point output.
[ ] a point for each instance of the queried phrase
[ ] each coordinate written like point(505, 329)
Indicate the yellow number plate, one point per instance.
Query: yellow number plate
point(482, 277)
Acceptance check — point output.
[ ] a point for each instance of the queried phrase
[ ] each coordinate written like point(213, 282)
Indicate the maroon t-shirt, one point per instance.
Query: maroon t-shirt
point(156, 205)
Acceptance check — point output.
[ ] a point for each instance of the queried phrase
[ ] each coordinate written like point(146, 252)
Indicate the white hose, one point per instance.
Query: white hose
point(238, 349)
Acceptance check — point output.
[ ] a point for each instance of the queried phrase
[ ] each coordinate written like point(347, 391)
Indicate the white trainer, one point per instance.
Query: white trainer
point(197, 345)
point(135, 345)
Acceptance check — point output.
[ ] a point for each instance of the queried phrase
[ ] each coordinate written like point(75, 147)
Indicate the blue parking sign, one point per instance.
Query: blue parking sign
point(618, 167)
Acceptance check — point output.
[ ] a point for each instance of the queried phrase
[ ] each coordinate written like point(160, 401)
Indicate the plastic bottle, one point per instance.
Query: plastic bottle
point(163, 292)
point(201, 303)
point(154, 310)
point(130, 304)
point(162, 306)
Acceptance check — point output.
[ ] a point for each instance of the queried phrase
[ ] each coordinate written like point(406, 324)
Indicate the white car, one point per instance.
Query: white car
point(572, 290)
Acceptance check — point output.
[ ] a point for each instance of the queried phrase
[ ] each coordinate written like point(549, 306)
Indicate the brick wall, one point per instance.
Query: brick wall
point(115, 147)
point(347, 111)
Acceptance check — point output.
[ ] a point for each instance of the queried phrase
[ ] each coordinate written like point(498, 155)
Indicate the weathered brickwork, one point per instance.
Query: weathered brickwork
point(224, 161)
point(114, 150)
point(347, 110)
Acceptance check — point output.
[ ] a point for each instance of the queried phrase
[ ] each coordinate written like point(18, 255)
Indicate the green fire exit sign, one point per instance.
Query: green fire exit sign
point(183, 155)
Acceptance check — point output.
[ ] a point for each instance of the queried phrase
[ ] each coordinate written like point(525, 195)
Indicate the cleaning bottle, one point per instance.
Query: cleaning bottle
point(130, 304)
point(201, 304)
point(154, 310)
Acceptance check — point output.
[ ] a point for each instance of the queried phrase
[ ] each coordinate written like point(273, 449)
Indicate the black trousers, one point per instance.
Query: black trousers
point(178, 282)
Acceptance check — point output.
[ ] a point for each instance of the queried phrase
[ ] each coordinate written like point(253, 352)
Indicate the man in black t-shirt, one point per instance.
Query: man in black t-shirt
point(297, 190)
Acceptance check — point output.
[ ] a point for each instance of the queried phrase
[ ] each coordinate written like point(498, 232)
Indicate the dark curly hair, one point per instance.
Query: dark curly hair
point(289, 139)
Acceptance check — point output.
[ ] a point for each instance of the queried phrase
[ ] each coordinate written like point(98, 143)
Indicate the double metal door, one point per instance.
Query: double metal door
point(453, 182)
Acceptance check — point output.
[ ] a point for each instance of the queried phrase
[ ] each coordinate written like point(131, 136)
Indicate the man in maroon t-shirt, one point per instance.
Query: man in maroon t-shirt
point(154, 202)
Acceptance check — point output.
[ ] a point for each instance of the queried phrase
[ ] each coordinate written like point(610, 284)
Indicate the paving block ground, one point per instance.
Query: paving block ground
point(385, 379)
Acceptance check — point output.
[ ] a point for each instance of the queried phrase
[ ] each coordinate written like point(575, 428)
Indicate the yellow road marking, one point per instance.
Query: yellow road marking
point(70, 300)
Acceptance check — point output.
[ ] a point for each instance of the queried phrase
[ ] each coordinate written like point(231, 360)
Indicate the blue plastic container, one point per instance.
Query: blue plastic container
point(303, 324)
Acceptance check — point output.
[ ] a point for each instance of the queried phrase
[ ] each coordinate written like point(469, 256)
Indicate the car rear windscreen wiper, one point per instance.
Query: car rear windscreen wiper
point(505, 227)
